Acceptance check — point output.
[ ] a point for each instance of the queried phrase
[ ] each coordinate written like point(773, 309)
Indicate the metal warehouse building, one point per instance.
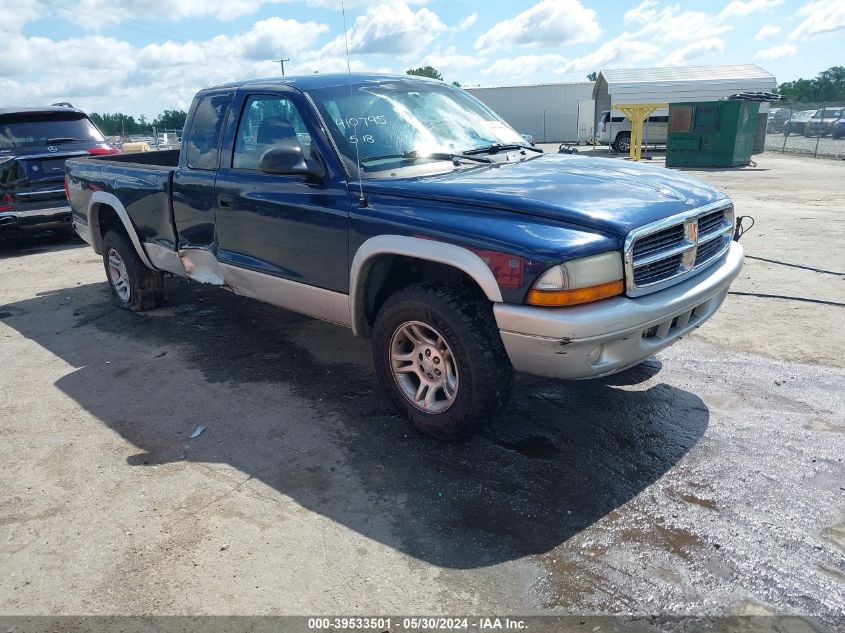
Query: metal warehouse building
point(549, 112)
point(676, 84)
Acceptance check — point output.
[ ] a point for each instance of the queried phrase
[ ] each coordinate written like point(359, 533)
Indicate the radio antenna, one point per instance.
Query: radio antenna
point(362, 202)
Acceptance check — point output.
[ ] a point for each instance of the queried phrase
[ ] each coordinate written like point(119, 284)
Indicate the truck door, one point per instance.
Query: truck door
point(193, 185)
point(288, 227)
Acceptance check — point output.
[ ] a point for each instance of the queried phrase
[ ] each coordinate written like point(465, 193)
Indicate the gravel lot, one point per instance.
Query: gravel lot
point(707, 481)
point(799, 144)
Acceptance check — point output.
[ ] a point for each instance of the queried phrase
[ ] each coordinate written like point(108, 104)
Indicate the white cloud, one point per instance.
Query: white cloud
point(449, 62)
point(97, 14)
point(527, 65)
point(618, 52)
point(549, 22)
point(673, 24)
point(105, 74)
point(682, 55)
point(642, 13)
point(15, 15)
point(769, 30)
point(776, 52)
point(819, 17)
point(390, 29)
point(737, 8)
point(467, 22)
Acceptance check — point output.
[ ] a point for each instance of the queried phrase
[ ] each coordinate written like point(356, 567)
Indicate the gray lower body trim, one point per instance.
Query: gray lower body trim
point(201, 265)
point(316, 302)
point(608, 336)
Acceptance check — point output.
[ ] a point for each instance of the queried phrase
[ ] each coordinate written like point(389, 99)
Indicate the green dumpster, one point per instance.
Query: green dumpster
point(711, 133)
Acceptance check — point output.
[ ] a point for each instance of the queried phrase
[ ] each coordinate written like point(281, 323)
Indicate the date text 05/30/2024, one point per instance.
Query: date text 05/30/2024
point(391, 625)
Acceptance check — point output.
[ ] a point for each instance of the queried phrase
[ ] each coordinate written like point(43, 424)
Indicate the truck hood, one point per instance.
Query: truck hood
point(609, 195)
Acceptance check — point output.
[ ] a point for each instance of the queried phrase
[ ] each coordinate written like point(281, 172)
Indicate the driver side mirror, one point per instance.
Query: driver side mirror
point(286, 158)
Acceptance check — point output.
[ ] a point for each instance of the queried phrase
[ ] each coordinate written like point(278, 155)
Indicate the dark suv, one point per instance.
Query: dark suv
point(34, 144)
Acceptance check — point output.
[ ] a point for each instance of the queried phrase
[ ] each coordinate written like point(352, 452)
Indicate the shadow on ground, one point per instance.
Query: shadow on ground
point(37, 242)
point(559, 458)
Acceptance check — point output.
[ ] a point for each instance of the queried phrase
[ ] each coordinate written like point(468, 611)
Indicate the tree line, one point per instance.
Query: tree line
point(119, 124)
point(828, 85)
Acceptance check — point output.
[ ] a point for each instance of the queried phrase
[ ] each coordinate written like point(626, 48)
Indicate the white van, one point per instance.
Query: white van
point(616, 131)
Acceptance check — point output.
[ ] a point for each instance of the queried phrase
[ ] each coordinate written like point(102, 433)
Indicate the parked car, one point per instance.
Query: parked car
point(616, 131)
point(776, 119)
point(34, 144)
point(797, 122)
point(407, 210)
point(837, 130)
point(821, 123)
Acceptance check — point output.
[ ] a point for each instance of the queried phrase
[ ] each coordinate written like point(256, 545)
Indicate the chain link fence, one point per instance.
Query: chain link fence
point(811, 129)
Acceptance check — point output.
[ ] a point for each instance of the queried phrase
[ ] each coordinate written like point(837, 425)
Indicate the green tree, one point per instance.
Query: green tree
point(117, 123)
point(171, 120)
point(593, 76)
point(828, 85)
point(456, 84)
point(425, 71)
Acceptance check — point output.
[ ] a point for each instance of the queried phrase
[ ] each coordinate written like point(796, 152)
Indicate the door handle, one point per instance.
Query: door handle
point(225, 200)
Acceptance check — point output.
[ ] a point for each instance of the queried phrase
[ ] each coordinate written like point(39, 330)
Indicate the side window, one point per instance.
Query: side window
point(204, 135)
point(265, 121)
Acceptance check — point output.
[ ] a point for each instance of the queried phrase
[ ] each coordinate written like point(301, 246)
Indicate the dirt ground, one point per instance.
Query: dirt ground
point(707, 481)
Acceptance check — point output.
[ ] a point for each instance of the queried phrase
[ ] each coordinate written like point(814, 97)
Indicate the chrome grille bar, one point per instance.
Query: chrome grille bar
point(664, 253)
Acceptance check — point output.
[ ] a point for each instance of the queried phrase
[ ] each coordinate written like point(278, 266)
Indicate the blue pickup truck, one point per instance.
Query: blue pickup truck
point(406, 210)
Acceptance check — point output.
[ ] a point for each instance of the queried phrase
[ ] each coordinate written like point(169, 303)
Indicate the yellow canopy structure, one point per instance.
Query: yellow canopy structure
point(637, 113)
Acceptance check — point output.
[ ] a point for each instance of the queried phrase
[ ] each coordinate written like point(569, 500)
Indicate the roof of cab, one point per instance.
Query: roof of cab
point(313, 82)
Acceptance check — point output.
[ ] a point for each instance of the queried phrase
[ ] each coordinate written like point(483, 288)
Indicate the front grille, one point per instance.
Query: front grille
point(658, 271)
point(668, 251)
point(710, 249)
point(711, 222)
point(667, 238)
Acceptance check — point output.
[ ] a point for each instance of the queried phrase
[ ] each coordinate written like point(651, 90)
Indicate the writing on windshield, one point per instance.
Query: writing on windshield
point(382, 124)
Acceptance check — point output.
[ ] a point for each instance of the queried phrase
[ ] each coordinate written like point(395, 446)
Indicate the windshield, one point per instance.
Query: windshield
point(395, 123)
point(39, 129)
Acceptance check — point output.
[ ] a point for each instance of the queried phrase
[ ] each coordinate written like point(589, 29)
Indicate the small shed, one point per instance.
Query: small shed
point(549, 112)
point(678, 83)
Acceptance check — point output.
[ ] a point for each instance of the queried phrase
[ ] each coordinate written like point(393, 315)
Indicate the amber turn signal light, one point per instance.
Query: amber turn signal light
point(574, 297)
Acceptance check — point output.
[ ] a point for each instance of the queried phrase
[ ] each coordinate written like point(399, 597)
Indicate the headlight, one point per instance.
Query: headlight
point(579, 281)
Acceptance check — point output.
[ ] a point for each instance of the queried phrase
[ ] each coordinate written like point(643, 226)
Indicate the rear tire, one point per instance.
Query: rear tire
point(134, 286)
point(622, 142)
point(438, 352)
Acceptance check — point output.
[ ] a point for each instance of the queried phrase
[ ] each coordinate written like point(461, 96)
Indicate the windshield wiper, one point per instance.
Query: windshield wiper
point(64, 139)
point(414, 155)
point(498, 147)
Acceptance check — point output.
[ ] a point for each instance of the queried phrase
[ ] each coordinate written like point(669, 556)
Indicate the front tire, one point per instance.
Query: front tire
point(134, 286)
point(438, 352)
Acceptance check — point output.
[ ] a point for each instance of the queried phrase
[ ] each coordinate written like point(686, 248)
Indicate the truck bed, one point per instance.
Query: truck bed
point(142, 183)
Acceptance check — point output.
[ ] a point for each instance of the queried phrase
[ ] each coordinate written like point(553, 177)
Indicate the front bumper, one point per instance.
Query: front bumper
point(608, 336)
point(35, 219)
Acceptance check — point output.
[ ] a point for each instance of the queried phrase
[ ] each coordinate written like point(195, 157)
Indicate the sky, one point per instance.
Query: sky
point(145, 56)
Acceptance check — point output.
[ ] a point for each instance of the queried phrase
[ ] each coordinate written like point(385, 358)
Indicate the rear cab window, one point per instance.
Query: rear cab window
point(203, 148)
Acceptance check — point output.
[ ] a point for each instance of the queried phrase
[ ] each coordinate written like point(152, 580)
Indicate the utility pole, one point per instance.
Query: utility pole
point(282, 62)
